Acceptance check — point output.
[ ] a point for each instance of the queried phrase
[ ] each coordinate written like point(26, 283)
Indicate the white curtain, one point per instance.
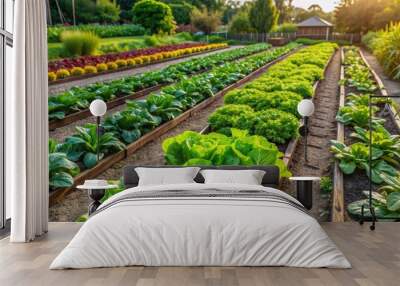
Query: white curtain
point(27, 124)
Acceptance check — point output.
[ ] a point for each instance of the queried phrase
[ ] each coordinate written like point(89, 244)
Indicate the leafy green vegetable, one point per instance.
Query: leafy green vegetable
point(83, 145)
point(357, 115)
point(61, 169)
point(191, 148)
point(357, 156)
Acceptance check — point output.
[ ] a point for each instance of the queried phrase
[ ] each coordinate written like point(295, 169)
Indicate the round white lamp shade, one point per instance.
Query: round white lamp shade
point(98, 107)
point(305, 108)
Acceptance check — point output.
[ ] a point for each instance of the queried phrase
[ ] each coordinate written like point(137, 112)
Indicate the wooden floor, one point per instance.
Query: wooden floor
point(375, 257)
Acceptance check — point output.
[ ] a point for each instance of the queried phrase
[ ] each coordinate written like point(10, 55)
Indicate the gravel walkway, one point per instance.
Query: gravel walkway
point(54, 89)
point(322, 129)
point(392, 86)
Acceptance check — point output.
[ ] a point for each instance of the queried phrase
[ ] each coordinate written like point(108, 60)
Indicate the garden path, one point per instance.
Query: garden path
point(392, 86)
point(322, 129)
point(54, 89)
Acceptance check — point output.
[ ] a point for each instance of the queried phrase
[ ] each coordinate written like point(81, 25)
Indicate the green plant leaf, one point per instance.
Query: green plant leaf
point(393, 201)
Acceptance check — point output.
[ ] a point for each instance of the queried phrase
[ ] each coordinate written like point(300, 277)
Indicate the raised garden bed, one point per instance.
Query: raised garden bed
point(57, 195)
point(72, 115)
point(349, 188)
point(73, 78)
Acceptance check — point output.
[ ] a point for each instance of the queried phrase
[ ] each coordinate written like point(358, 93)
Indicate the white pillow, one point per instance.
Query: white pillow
point(166, 176)
point(248, 177)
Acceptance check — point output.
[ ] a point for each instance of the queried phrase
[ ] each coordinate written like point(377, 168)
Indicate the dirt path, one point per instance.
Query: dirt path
point(54, 89)
point(322, 129)
point(392, 86)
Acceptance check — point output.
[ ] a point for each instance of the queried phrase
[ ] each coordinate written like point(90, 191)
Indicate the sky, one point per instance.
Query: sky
point(327, 5)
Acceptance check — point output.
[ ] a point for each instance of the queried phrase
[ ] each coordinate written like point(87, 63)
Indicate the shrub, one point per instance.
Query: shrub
point(101, 67)
point(151, 41)
point(52, 76)
point(205, 20)
point(107, 12)
point(155, 16)
point(263, 15)
point(90, 69)
point(78, 43)
point(181, 12)
point(286, 28)
point(62, 73)
point(77, 71)
point(240, 23)
point(121, 63)
point(112, 66)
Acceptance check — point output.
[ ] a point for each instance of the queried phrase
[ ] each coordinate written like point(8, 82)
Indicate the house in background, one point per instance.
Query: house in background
point(314, 27)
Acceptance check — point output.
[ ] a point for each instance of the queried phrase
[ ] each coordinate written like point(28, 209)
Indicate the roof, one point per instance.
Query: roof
point(314, 22)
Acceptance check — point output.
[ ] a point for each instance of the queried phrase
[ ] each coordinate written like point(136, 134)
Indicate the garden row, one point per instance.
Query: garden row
point(74, 103)
point(257, 121)
point(144, 120)
point(351, 150)
point(93, 65)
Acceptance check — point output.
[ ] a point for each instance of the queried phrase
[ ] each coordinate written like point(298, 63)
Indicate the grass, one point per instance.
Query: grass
point(55, 50)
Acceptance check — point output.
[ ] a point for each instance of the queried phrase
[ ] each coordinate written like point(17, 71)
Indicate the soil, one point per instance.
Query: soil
point(322, 129)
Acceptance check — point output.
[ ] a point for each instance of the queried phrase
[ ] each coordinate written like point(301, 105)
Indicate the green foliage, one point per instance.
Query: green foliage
point(358, 74)
point(240, 24)
point(275, 125)
point(102, 31)
point(61, 169)
point(385, 46)
point(191, 148)
point(380, 204)
point(357, 156)
point(205, 20)
point(107, 11)
point(82, 146)
point(263, 15)
point(182, 12)
point(357, 115)
point(78, 43)
point(286, 28)
point(155, 16)
point(260, 100)
point(326, 185)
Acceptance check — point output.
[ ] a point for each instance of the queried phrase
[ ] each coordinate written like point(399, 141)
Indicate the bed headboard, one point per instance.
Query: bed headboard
point(271, 177)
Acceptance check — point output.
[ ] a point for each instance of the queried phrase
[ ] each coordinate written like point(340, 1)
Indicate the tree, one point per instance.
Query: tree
point(205, 20)
point(361, 16)
point(181, 12)
point(107, 12)
point(263, 15)
point(240, 23)
point(154, 16)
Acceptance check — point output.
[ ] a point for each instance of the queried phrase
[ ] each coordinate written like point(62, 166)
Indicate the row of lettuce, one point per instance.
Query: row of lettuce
point(139, 117)
point(256, 117)
point(385, 146)
point(79, 98)
point(76, 67)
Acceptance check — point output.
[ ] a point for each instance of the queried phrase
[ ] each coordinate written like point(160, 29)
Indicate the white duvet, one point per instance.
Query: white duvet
point(202, 232)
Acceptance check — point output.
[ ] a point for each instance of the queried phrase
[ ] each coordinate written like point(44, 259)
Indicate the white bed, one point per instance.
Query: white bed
point(201, 231)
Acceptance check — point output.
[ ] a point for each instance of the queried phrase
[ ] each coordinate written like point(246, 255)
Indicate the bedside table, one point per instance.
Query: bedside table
point(304, 190)
point(96, 193)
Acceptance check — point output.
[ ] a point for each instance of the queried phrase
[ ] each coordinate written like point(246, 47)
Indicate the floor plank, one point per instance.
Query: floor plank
point(375, 257)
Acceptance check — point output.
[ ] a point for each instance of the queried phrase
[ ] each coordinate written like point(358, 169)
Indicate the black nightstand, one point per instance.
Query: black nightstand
point(304, 189)
point(96, 193)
